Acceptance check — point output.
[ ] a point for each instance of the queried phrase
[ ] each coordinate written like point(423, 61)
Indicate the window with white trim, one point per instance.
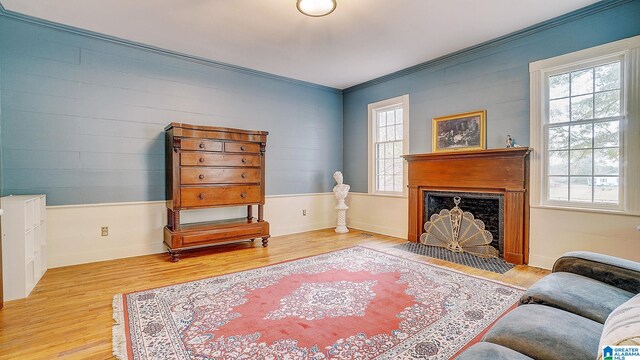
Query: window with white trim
point(388, 141)
point(580, 121)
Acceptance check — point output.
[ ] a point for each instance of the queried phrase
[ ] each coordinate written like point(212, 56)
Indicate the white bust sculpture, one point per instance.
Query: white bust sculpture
point(341, 191)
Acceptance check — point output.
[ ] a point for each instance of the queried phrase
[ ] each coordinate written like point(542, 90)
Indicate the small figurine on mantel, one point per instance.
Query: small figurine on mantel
point(341, 191)
point(511, 143)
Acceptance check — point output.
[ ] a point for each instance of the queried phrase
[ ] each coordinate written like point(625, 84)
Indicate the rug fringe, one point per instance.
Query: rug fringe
point(119, 337)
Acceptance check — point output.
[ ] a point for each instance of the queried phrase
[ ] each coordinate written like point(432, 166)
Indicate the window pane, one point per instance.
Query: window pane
point(398, 116)
point(399, 132)
point(559, 138)
point(580, 162)
point(558, 188)
point(397, 149)
point(559, 110)
point(388, 167)
point(390, 118)
point(582, 107)
point(607, 104)
point(608, 77)
point(397, 183)
point(606, 190)
point(388, 183)
point(580, 189)
point(581, 136)
point(397, 166)
point(558, 163)
point(382, 119)
point(559, 86)
point(388, 151)
point(380, 151)
point(606, 134)
point(582, 82)
point(382, 134)
point(606, 161)
point(380, 184)
point(391, 133)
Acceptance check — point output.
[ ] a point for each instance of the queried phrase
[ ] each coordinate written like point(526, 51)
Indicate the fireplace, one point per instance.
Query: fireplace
point(497, 178)
point(487, 207)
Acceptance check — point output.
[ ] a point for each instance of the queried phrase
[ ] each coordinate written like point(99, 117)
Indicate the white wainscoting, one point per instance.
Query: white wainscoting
point(554, 232)
point(73, 231)
point(380, 214)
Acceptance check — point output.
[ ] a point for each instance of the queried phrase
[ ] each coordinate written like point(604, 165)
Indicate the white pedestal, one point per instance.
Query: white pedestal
point(342, 217)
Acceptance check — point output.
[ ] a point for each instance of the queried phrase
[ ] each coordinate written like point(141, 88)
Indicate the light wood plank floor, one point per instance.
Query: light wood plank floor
point(68, 315)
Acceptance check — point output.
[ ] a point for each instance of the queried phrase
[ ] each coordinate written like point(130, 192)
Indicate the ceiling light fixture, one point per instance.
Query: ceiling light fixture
point(316, 8)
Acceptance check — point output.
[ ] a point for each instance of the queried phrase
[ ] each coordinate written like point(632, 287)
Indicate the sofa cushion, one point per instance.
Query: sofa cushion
point(611, 270)
point(580, 295)
point(543, 332)
point(622, 327)
point(489, 351)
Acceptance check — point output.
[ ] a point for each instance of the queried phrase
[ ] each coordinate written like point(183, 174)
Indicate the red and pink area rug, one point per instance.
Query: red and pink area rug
point(356, 303)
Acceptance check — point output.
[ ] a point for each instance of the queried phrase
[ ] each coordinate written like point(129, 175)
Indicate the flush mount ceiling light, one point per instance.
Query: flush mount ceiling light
point(316, 8)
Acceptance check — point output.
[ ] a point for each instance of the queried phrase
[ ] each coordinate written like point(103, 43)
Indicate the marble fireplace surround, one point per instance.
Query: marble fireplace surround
point(497, 171)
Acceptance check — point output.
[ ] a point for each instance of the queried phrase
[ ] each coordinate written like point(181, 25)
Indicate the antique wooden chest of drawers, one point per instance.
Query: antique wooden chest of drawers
point(213, 167)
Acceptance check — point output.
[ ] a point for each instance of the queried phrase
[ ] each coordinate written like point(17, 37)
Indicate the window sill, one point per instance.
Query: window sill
point(400, 196)
point(586, 210)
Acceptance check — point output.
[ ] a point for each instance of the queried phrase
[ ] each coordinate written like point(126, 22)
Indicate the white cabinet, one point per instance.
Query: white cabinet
point(24, 244)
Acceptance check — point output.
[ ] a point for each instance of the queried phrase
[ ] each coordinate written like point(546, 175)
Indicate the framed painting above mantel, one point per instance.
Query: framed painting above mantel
point(460, 132)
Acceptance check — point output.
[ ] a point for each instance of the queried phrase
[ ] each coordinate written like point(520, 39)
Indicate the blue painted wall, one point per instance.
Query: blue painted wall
point(494, 78)
point(82, 118)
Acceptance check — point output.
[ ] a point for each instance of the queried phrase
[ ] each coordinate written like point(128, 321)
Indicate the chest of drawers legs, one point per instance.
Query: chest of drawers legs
point(209, 167)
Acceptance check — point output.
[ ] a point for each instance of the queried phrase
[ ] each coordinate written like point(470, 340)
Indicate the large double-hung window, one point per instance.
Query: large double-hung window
point(584, 128)
point(585, 110)
point(388, 141)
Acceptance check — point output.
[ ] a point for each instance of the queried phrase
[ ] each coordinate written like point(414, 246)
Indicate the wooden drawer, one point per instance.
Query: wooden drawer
point(207, 159)
point(220, 234)
point(202, 175)
point(201, 145)
point(219, 195)
point(239, 147)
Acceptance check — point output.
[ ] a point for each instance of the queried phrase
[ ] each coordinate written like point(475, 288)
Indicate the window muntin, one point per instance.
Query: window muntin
point(583, 147)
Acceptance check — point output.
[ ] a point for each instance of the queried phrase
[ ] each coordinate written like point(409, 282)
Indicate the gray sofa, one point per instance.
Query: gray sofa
point(562, 315)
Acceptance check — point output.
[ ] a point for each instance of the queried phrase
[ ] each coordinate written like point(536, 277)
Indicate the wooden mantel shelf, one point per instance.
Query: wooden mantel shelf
point(500, 171)
point(518, 151)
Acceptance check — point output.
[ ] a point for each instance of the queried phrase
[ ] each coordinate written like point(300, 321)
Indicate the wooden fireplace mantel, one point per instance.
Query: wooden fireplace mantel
point(501, 171)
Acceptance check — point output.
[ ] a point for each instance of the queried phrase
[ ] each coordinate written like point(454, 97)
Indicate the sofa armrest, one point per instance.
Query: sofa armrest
point(621, 273)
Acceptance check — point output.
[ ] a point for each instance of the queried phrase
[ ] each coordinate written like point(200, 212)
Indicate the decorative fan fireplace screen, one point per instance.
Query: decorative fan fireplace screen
point(458, 231)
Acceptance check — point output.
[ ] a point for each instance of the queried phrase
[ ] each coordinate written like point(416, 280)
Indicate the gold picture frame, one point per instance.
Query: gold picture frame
point(460, 132)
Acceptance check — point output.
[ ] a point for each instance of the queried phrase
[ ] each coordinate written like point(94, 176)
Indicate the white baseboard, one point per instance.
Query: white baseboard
point(73, 231)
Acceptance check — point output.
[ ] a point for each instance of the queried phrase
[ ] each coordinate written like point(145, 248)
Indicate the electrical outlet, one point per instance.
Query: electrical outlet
point(304, 212)
point(104, 231)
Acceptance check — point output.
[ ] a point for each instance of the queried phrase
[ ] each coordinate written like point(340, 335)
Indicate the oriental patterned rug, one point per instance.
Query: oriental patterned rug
point(356, 303)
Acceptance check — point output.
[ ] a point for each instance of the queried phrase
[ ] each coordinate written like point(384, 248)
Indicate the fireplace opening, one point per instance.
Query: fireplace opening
point(487, 207)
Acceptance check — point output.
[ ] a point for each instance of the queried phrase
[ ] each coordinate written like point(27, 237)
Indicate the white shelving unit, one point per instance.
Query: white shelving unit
point(24, 245)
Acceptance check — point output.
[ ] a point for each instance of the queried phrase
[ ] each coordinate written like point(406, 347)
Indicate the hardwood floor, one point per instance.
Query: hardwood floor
point(68, 315)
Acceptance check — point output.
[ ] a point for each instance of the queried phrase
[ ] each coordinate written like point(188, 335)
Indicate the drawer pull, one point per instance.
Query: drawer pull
point(243, 195)
point(244, 161)
point(201, 176)
point(201, 145)
point(244, 176)
point(243, 148)
point(201, 196)
point(201, 160)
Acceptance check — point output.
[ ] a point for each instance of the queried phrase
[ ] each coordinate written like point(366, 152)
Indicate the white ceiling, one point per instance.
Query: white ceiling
point(359, 41)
